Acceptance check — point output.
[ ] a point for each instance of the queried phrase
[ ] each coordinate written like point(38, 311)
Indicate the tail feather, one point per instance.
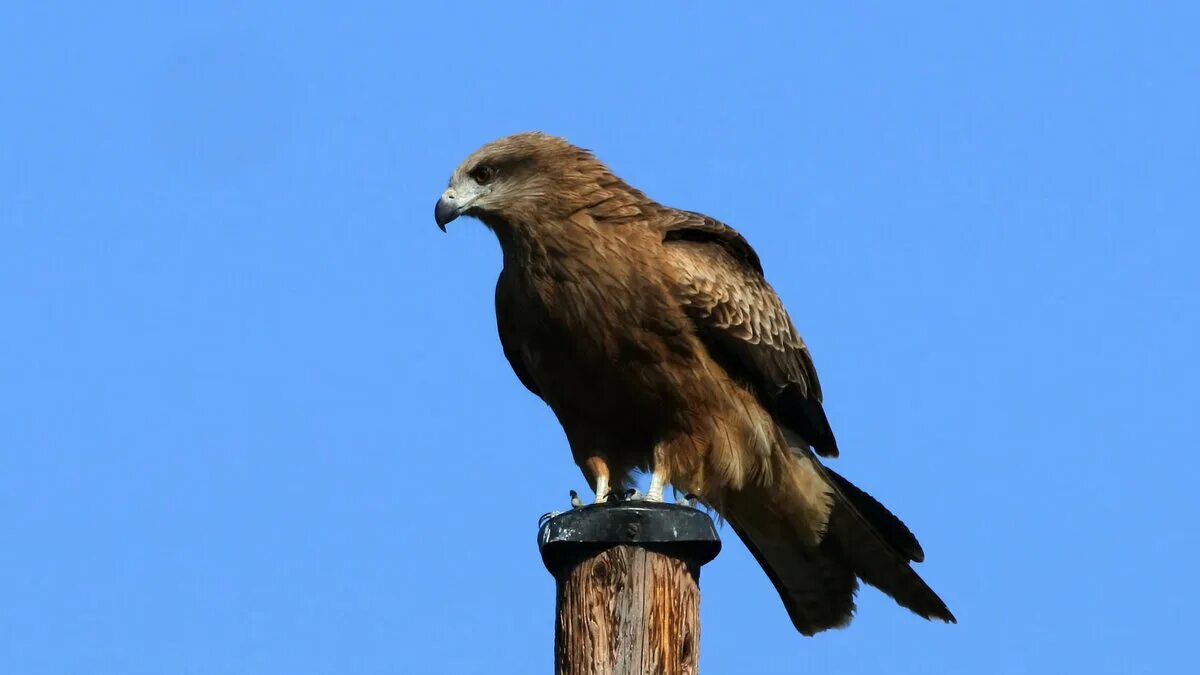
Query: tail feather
point(817, 589)
point(784, 525)
point(879, 546)
point(859, 538)
point(880, 567)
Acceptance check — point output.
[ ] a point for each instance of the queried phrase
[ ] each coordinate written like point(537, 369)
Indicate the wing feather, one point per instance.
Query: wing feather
point(505, 312)
point(742, 322)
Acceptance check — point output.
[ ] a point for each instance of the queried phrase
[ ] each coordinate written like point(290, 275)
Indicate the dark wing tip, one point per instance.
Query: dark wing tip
point(806, 416)
point(916, 553)
point(887, 524)
point(941, 613)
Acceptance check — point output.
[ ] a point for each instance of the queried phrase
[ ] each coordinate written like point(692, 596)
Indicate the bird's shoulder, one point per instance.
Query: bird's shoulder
point(711, 237)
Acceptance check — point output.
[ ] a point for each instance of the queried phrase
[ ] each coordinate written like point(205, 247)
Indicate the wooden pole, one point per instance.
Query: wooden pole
point(627, 574)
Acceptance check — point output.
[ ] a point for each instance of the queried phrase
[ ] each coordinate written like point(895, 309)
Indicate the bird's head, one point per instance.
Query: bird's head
point(518, 176)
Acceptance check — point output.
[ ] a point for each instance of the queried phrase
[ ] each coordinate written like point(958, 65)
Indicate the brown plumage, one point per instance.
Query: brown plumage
point(655, 339)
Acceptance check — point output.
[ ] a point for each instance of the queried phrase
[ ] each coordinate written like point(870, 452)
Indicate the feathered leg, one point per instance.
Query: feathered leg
point(595, 469)
point(659, 477)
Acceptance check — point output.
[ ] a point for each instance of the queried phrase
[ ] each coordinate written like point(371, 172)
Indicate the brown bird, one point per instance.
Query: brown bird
point(657, 342)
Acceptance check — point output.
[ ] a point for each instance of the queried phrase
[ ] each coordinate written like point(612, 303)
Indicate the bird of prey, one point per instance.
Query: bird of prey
point(654, 337)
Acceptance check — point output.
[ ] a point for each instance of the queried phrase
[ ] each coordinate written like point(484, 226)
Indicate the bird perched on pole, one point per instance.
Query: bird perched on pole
point(654, 337)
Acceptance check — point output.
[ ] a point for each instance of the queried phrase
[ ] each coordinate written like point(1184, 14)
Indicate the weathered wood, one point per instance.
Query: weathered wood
point(628, 611)
point(627, 593)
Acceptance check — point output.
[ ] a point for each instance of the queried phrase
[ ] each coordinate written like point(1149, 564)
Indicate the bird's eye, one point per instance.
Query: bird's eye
point(484, 174)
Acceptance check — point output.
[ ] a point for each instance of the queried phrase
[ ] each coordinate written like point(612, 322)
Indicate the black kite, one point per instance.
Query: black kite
point(655, 339)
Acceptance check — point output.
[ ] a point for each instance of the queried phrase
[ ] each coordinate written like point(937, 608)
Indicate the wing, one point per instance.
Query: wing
point(510, 339)
point(743, 324)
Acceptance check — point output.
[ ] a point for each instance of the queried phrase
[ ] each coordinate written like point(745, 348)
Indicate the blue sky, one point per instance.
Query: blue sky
point(254, 417)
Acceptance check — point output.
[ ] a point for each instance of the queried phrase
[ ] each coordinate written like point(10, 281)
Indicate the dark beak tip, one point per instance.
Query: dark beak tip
point(443, 213)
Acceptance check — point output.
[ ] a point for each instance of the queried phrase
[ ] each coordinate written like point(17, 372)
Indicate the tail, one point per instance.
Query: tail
point(817, 576)
point(879, 547)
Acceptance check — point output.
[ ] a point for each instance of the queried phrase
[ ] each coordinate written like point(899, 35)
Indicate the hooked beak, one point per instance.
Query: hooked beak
point(457, 200)
point(447, 209)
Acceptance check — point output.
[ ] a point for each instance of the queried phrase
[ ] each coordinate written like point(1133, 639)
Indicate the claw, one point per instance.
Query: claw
point(546, 517)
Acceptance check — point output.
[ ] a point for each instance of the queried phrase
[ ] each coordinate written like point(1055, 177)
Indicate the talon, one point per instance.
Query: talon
point(546, 517)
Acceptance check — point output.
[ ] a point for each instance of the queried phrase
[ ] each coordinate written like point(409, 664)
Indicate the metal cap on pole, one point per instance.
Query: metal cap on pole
point(627, 573)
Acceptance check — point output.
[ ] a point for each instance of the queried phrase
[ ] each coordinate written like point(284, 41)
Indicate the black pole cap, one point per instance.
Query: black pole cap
point(673, 529)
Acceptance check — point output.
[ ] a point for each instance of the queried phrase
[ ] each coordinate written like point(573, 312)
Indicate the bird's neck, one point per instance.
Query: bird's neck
point(539, 245)
point(572, 225)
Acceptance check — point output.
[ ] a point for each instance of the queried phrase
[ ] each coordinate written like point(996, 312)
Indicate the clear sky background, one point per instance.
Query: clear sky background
point(254, 416)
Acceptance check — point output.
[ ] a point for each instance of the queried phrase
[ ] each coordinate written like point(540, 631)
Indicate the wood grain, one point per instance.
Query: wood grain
point(627, 611)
